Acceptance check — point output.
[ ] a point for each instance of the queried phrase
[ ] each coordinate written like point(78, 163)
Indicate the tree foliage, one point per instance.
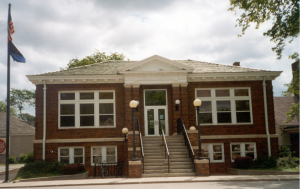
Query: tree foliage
point(285, 15)
point(19, 98)
point(95, 58)
point(3, 106)
point(293, 88)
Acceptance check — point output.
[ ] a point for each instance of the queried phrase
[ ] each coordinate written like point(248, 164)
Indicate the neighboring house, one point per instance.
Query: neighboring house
point(87, 107)
point(21, 136)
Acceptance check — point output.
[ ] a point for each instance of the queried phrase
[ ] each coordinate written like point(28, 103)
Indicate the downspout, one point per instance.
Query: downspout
point(266, 117)
point(44, 120)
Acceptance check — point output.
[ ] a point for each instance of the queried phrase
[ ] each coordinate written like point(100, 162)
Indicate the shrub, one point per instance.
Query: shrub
point(286, 163)
point(81, 168)
point(22, 157)
point(70, 169)
point(39, 168)
point(284, 151)
point(30, 157)
point(243, 162)
point(12, 159)
point(264, 163)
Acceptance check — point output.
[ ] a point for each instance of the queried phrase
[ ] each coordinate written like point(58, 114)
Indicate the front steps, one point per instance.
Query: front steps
point(156, 165)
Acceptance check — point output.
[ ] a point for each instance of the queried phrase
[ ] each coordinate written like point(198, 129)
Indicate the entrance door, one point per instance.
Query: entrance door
point(156, 111)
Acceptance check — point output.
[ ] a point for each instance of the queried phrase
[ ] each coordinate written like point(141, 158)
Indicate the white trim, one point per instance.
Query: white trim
point(96, 101)
point(266, 117)
point(210, 152)
point(44, 120)
point(213, 99)
point(155, 108)
point(71, 153)
point(242, 150)
point(104, 155)
point(119, 139)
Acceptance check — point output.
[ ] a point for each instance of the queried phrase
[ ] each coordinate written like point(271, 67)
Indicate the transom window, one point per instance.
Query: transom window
point(86, 109)
point(103, 154)
point(243, 149)
point(214, 151)
point(225, 106)
point(71, 155)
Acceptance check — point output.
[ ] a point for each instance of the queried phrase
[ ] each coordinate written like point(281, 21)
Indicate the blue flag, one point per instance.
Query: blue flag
point(15, 53)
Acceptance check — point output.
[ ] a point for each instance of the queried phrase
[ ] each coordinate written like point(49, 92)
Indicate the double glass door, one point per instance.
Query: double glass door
point(156, 117)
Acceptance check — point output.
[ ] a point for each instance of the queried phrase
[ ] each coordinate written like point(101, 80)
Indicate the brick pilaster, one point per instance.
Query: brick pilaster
point(136, 96)
point(176, 96)
point(184, 104)
point(134, 169)
point(128, 111)
point(202, 167)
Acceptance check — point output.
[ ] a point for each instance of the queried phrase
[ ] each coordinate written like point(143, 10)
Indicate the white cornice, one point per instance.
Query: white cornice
point(76, 79)
point(245, 76)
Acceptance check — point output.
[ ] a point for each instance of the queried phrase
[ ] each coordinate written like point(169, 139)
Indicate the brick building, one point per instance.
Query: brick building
point(80, 112)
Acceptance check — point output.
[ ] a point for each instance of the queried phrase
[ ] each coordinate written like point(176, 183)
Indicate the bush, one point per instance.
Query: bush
point(264, 163)
point(39, 168)
point(286, 163)
point(284, 151)
point(24, 158)
point(12, 160)
point(30, 157)
point(243, 162)
point(70, 169)
point(81, 168)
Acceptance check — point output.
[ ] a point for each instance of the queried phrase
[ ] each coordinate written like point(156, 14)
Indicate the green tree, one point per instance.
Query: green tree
point(27, 117)
point(19, 98)
point(3, 106)
point(285, 14)
point(95, 58)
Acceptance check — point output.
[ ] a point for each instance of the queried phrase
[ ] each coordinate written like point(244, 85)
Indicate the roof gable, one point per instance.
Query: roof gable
point(156, 63)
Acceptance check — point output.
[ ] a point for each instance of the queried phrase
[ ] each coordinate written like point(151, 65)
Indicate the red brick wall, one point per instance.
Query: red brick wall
point(258, 126)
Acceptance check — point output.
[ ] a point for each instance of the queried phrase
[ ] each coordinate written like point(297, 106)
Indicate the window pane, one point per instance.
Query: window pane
point(235, 147)
point(97, 151)
point(203, 93)
point(153, 98)
point(106, 120)
point(78, 159)
point(224, 92)
point(86, 96)
point(217, 148)
point(204, 148)
point(243, 117)
point(110, 151)
point(150, 118)
point(224, 117)
point(64, 160)
point(64, 152)
point(110, 159)
point(107, 108)
point(241, 92)
point(223, 106)
point(67, 96)
point(67, 109)
point(87, 121)
point(97, 159)
point(217, 156)
point(205, 117)
point(242, 105)
point(249, 147)
point(78, 151)
point(86, 108)
point(205, 106)
point(235, 155)
point(106, 95)
point(67, 121)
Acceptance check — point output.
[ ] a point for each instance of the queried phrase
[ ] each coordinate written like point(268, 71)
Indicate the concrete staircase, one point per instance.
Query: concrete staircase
point(155, 163)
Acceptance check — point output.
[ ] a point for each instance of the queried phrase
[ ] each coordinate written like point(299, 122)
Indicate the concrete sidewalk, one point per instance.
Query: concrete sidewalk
point(13, 168)
point(111, 181)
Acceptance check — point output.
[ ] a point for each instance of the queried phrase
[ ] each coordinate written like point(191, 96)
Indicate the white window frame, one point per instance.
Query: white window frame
point(103, 148)
point(210, 152)
point(243, 151)
point(96, 101)
point(230, 98)
point(71, 153)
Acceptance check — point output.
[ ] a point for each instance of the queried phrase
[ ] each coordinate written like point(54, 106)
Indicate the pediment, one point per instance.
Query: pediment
point(155, 64)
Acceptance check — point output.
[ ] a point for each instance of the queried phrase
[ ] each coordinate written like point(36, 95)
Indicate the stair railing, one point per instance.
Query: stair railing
point(164, 142)
point(141, 142)
point(181, 130)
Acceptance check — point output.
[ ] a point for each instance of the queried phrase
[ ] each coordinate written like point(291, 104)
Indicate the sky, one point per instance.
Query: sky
point(51, 33)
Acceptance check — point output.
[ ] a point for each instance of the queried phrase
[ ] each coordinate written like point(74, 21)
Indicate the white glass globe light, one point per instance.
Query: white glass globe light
point(197, 102)
point(192, 128)
point(124, 130)
point(133, 104)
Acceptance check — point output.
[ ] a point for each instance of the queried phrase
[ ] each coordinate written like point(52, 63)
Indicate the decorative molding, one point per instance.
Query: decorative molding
point(135, 162)
point(131, 132)
point(80, 140)
point(175, 84)
point(183, 84)
point(234, 136)
point(135, 85)
point(130, 149)
point(127, 85)
point(201, 161)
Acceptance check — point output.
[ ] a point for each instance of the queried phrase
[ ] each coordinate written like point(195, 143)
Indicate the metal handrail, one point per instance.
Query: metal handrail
point(141, 142)
point(164, 141)
point(181, 127)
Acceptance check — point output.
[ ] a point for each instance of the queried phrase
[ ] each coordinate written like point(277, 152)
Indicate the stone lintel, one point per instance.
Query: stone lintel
point(201, 161)
point(138, 162)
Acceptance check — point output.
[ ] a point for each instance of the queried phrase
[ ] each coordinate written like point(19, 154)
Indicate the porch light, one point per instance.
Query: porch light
point(133, 104)
point(125, 131)
point(197, 104)
point(177, 102)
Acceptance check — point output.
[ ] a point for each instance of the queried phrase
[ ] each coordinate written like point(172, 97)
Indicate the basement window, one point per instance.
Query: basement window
point(103, 154)
point(214, 151)
point(243, 150)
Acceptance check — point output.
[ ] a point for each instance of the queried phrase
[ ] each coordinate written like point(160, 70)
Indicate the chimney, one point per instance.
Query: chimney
point(236, 64)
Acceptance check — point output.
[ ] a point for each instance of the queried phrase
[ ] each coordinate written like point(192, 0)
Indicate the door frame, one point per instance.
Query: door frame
point(156, 132)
